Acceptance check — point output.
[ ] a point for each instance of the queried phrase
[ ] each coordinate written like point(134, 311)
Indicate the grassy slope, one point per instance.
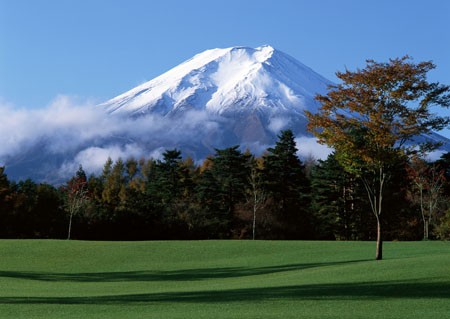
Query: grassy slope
point(223, 279)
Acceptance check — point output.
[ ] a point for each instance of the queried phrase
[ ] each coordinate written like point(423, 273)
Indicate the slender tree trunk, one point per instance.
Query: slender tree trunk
point(344, 198)
point(379, 253)
point(422, 211)
point(76, 199)
point(70, 225)
point(258, 197)
point(376, 203)
point(254, 219)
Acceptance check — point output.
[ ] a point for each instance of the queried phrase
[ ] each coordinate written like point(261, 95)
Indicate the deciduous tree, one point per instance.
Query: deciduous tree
point(76, 196)
point(374, 117)
point(256, 194)
point(428, 181)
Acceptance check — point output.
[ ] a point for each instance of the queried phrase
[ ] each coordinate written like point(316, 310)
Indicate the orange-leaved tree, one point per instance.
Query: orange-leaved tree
point(376, 117)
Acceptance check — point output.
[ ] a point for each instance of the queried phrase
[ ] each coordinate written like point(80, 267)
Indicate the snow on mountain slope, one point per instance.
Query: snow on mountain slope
point(225, 81)
point(249, 93)
point(219, 98)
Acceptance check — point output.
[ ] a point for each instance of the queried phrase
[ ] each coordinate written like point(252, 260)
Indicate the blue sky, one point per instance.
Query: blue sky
point(97, 49)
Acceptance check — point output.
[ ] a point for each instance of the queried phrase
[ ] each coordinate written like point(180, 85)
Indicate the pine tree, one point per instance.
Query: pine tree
point(336, 197)
point(221, 187)
point(5, 190)
point(168, 176)
point(6, 203)
point(231, 171)
point(443, 163)
point(48, 214)
point(288, 186)
point(206, 220)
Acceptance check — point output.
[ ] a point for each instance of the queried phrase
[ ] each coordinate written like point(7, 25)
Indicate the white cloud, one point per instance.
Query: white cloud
point(94, 158)
point(277, 124)
point(86, 135)
point(157, 153)
point(62, 125)
point(434, 155)
point(309, 147)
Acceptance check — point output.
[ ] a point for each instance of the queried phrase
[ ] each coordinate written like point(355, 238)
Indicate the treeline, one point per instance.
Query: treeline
point(232, 194)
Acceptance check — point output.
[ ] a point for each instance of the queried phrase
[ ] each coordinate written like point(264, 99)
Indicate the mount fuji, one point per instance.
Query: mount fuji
point(219, 98)
point(226, 81)
point(252, 92)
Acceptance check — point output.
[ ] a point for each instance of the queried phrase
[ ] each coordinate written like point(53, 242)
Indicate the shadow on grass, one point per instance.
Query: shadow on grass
point(175, 275)
point(344, 291)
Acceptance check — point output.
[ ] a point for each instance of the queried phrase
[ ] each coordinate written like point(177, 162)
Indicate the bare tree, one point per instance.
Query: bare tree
point(256, 195)
point(77, 196)
point(428, 181)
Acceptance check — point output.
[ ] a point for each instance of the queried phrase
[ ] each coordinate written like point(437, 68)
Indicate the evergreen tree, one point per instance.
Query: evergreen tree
point(185, 203)
point(49, 220)
point(204, 220)
point(336, 198)
point(168, 176)
point(5, 191)
point(221, 187)
point(169, 189)
point(288, 186)
point(22, 221)
point(443, 163)
point(6, 204)
point(231, 170)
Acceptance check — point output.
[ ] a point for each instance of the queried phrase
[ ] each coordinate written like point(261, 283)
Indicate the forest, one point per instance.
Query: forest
point(230, 195)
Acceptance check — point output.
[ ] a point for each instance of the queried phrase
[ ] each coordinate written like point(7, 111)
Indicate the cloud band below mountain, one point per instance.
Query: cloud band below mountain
point(82, 133)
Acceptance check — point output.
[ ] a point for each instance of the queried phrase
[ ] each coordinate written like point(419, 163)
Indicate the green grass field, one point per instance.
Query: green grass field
point(223, 279)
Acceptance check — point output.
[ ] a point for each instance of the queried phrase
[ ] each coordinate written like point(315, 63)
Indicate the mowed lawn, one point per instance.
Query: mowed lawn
point(223, 279)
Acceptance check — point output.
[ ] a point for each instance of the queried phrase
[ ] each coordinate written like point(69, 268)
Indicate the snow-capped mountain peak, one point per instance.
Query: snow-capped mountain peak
point(226, 80)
